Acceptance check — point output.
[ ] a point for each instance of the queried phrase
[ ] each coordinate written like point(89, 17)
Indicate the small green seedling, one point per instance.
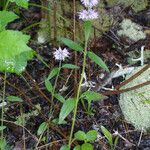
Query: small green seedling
point(87, 138)
point(90, 96)
point(112, 142)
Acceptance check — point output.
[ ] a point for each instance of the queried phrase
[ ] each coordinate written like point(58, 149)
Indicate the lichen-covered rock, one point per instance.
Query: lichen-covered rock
point(131, 30)
point(133, 103)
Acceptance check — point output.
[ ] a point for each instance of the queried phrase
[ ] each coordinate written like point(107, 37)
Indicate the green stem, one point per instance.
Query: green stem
point(55, 84)
point(52, 99)
point(3, 100)
point(6, 5)
point(78, 94)
point(41, 59)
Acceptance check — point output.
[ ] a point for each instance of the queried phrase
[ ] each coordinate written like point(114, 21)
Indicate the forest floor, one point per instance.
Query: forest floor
point(30, 86)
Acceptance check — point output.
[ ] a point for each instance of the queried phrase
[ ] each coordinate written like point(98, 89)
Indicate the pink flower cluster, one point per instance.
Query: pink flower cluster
point(89, 13)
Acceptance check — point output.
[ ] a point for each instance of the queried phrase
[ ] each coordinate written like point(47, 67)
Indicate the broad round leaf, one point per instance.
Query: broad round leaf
point(5, 18)
point(91, 135)
point(80, 135)
point(87, 146)
point(14, 52)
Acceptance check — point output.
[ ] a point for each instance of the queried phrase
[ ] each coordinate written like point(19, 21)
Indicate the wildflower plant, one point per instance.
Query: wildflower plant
point(71, 104)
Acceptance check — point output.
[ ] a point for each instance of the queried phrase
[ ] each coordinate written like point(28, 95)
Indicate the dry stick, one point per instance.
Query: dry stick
point(127, 89)
point(133, 77)
point(11, 122)
point(55, 21)
point(51, 143)
point(117, 91)
point(38, 88)
point(75, 53)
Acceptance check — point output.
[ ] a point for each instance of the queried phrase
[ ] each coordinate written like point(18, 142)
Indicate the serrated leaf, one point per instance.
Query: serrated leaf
point(48, 86)
point(42, 128)
point(14, 99)
point(14, 52)
point(59, 97)
point(91, 135)
point(71, 44)
point(80, 135)
point(5, 18)
point(66, 109)
point(87, 29)
point(65, 147)
point(2, 128)
point(21, 3)
point(53, 73)
point(107, 134)
point(70, 66)
point(97, 60)
point(91, 95)
point(87, 146)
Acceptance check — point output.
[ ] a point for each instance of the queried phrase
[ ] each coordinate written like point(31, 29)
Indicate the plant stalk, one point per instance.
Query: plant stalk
point(78, 94)
point(6, 5)
point(3, 100)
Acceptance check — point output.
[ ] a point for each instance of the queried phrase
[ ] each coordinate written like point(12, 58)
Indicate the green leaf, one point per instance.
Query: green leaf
point(42, 128)
point(71, 44)
point(56, 121)
point(78, 147)
point(5, 18)
point(2, 128)
point(107, 134)
point(87, 29)
point(87, 146)
point(59, 97)
point(53, 73)
point(91, 136)
point(21, 3)
point(3, 144)
point(67, 107)
point(14, 52)
point(92, 96)
point(97, 60)
point(70, 66)
point(48, 86)
point(65, 147)
point(14, 99)
point(80, 135)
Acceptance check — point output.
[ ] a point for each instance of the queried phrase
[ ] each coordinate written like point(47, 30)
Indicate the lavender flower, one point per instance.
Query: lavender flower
point(89, 3)
point(61, 54)
point(89, 14)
